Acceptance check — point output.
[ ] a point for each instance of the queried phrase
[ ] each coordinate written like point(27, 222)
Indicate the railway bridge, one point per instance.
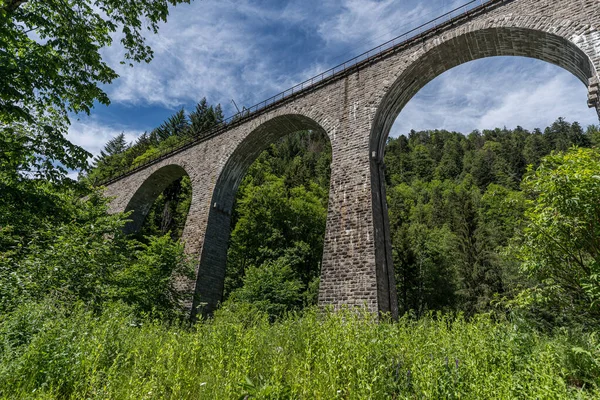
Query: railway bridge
point(355, 105)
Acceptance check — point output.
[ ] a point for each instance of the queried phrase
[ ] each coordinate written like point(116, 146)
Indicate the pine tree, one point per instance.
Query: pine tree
point(113, 147)
point(176, 125)
point(205, 117)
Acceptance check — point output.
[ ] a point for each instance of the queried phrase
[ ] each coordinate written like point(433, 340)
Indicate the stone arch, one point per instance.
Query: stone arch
point(210, 277)
point(526, 36)
point(143, 198)
point(447, 53)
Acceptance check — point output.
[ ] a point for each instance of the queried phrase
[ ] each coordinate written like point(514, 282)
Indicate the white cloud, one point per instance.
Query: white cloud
point(92, 135)
point(212, 49)
point(497, 92)
point(367, 20)
point(228, 49)
point(196, 54)
point(539, 105)
point(364, 24)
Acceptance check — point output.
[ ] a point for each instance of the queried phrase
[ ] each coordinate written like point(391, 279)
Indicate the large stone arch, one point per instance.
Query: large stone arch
point(143, 198)
point(508, 38)
point(563, 43)
point(210, 277)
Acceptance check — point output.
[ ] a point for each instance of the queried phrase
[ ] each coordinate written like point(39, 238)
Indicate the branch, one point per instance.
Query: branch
point(565, 250)
point(12, 5)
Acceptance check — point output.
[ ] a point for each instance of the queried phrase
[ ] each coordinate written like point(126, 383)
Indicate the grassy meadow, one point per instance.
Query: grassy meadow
point(47, 352)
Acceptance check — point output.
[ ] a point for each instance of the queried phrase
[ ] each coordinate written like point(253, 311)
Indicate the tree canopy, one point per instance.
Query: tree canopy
point(52, 65)
point(560, 246)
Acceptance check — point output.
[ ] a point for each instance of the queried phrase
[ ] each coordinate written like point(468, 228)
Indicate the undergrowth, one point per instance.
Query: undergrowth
point(48, 352)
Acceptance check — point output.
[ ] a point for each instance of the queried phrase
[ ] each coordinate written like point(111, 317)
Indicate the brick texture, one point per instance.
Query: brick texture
point(356, 112)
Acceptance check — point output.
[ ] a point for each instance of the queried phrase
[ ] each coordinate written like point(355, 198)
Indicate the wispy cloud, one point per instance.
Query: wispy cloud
point(250, 50)
point(219, 50)
point(197, 54)
point(370, 21)
point(497, 92)
point(92, 134)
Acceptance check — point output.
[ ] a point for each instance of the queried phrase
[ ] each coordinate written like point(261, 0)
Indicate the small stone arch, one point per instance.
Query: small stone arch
point(210, 277)
point(143, 198)
point(527, 36)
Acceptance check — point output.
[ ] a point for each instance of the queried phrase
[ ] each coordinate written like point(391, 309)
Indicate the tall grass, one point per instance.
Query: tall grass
point(46, 352)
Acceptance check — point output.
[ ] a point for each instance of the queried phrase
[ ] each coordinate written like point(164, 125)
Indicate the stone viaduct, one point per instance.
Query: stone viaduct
point(355, 108)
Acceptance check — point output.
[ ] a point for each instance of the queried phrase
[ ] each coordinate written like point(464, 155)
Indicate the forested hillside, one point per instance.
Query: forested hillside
point(456, 203)
point(457, 209)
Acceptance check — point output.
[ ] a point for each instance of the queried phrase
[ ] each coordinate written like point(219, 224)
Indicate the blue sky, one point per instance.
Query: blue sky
point(251, 50)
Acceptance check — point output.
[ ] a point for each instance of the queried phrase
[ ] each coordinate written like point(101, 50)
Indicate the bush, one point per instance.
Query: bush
point(559, 247)
point(272, 288)
point(90, 260)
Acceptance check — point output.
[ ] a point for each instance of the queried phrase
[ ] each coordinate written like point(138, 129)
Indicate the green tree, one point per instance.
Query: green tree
point(205, 117)
point(279, 216)
point(560, 249)
point(169, 211)
point(422, 163)
point(116, 145)
point(274, 221)
point(85, 257)
point(176, 125)
point(272, 287)
point(535, 148)
point(450, 165)
point(111, 157)
point(52, 65)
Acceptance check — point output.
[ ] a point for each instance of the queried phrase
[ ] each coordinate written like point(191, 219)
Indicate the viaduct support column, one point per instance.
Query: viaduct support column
point(352, 273)
point(206, 235)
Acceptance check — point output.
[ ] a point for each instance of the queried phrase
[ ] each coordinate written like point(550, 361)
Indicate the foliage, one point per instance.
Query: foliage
point(38, 151)
point(169, 211)
point(273, 288)
point(53, 244)
point(204, 117)
point(279, 223)
point(52, 65)
point(49, 352)
point(455, 203)
point(560, 247)
point(87, 258)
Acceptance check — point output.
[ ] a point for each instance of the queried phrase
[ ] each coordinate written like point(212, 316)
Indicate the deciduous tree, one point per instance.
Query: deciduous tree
point(50, 52)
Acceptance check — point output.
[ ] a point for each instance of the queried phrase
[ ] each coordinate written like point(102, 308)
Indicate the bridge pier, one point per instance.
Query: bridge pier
point(205, 236)
point(594, 93)
point(354, 269)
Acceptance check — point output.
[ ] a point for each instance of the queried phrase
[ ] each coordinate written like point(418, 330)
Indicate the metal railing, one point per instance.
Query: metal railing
point(340, 70)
